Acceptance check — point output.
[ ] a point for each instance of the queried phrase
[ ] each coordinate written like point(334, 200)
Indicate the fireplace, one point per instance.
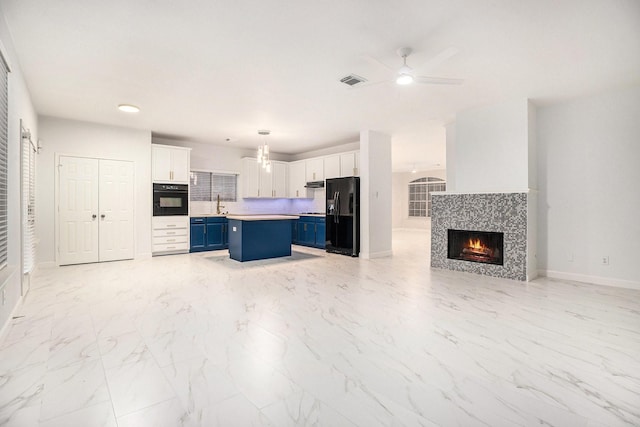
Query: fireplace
point(511, 214)
point(476, 246)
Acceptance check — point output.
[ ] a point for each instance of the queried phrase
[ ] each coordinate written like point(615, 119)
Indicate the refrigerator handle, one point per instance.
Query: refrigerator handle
point(337, 204)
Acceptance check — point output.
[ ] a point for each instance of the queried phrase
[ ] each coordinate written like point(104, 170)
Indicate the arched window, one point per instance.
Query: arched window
point(420, 195)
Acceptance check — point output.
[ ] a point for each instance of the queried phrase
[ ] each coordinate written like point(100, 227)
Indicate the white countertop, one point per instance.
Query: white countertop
point(261, 217)
point(253, 216)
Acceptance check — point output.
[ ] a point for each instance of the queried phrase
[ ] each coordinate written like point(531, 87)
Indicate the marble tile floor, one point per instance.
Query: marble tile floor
point(317, 339)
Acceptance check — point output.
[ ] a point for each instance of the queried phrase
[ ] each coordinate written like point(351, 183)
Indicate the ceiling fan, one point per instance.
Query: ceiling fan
point(405, 75)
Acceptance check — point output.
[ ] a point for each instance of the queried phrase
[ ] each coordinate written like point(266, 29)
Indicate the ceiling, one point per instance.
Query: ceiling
point(217, 71)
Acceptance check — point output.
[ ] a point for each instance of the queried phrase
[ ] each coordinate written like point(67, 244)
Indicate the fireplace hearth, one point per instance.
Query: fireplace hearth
point(476, 246)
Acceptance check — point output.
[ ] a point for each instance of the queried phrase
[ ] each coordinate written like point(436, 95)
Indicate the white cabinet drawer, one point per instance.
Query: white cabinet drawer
point(168, 232)
point(167, 247)
point(169, 240)
point(162, 222)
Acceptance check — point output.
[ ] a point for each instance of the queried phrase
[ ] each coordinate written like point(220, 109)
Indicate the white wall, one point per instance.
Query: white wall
point(451, 156)
point(532, 155)
point(400, 200)
point(491, 143)
point(20, 107)
point(589, 199)
point(75, 138)
point(375, 194)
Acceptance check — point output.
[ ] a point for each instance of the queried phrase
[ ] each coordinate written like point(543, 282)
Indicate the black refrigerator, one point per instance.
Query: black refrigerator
point(343, 216)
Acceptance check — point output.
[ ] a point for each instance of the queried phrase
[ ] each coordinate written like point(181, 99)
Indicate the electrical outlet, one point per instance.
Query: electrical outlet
point(605, 260)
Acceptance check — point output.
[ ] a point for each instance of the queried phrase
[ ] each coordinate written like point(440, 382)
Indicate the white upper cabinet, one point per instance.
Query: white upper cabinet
point(280, 179)
point(315, 169)
point(349, 164)
point(332, 166)
point(297, 180)
point(170, 164)
point(265, 181)
point(290, 179)
point(257, 182)
point(250, 177)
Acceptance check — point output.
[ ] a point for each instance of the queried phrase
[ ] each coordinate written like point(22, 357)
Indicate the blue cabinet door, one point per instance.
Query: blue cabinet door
point(197, 234)
point(307, 232)
point(215, 236)
point(320, 233)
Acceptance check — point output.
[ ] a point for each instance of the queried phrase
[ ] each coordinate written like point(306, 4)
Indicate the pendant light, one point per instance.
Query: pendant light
point(263, 151)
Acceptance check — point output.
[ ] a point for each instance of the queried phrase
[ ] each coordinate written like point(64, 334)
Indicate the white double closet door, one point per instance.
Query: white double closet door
point(95, 210)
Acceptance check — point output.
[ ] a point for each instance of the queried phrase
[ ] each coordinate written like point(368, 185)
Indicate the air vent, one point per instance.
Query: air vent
point(352, 80)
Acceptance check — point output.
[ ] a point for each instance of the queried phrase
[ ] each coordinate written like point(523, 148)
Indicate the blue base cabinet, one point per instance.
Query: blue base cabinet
point(310, 231)
point(251, 240)
point(209, 234)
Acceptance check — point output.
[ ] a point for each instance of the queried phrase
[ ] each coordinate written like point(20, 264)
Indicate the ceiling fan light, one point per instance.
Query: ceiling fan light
point(404, 79)
point(128, 108)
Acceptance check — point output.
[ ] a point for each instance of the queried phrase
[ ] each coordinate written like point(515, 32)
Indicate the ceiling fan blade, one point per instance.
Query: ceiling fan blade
point(438, 80)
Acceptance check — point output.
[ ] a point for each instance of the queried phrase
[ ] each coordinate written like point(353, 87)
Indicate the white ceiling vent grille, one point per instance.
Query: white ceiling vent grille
point(352, 80)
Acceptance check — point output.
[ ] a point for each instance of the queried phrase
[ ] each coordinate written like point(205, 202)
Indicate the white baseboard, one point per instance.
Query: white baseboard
point(595, 280)
point(372, 255)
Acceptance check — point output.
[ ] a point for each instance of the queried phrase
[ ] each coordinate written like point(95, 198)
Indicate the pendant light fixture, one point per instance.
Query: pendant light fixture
point(263, 151)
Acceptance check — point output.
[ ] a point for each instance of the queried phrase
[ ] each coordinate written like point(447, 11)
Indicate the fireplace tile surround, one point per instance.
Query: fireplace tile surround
point(508, 213)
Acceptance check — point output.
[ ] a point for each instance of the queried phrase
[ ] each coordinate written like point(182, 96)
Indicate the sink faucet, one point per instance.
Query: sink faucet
point(218, 206)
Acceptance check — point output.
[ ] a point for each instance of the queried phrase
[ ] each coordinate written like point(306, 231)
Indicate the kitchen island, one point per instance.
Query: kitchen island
point(253, 237)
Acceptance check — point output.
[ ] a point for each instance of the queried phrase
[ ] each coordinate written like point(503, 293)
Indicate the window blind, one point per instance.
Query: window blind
point(225, 186)
point(4, 123)
point(206, 186)
point(28, 205)
point(200, 190)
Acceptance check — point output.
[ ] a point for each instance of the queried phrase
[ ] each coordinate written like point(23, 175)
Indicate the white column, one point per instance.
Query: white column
point(375, 194)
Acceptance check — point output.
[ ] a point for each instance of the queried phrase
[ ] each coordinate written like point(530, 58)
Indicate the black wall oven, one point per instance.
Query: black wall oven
point(170, 199)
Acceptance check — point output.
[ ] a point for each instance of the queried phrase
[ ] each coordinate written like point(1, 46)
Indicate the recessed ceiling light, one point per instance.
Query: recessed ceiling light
point(128, 108)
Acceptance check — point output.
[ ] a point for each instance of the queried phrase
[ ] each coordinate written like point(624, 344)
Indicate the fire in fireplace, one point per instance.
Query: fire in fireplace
point(476, 246)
